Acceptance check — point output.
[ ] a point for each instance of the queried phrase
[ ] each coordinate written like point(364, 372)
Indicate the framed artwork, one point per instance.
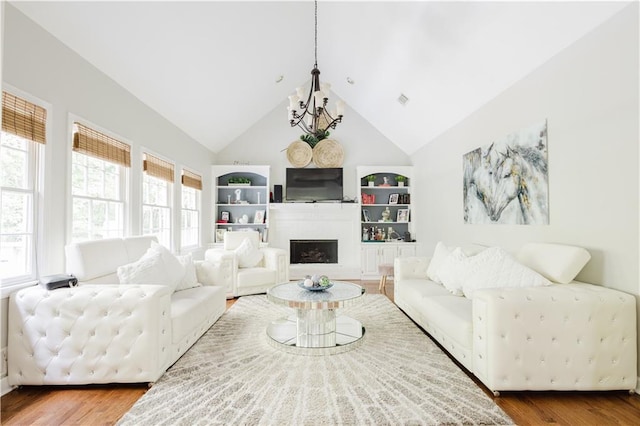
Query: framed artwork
point(403, 215)
point(507, 181)
point(365, 216)
point(393, 198)
point(220, 235)
point(259, 216)
point(224, 217)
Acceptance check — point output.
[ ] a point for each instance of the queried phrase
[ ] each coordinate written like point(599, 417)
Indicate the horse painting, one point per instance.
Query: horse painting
point(507, 181)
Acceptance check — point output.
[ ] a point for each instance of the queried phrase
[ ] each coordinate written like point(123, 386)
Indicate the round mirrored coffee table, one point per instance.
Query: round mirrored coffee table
point(315, 329)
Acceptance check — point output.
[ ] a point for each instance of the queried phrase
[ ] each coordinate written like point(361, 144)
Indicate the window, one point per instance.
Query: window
point(190, 220)
point(98, 185)
point(21, 142)
point(157, 184)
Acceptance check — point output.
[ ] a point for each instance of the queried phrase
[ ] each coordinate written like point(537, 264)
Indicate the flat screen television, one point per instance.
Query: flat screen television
point(311, 185)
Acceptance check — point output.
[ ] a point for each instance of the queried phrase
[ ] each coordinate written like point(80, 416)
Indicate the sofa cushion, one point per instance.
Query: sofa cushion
point(190, 278)
point(452, 315)
point(495, 268)
point(248, 254)
point(189, 309)
point(452, 271)
point(92, 259)
point(149, 269)
point(557, 262)
point(250, 277)
point(174, 269)
point(416, 289)
point(440, 253)
point(137, 246)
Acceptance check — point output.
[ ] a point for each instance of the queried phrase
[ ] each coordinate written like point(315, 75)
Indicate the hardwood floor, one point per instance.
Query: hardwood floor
point(105, 404)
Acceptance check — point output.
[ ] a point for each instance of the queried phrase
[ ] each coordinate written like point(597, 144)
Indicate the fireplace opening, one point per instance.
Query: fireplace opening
point(313, 251)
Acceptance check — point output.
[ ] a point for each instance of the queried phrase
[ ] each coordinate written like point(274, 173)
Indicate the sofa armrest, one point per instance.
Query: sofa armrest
point(81, 335)
point(559, 337)
point(277, 260)
point(224, 269)
point(218, 272)
point(407, 268)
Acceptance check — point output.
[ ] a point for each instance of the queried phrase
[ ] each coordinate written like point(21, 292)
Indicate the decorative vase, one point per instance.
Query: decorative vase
point(400, 183)
point(371, 183)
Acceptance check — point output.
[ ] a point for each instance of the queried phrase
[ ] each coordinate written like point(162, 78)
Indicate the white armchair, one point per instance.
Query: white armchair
point(254, 269)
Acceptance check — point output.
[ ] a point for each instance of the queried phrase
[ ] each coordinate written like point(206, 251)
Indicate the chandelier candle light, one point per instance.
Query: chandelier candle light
point(312, 116)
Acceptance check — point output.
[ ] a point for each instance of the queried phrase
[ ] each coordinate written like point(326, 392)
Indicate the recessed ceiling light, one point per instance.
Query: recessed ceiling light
point(403, 99)
point(350, 80)
point(280, 78)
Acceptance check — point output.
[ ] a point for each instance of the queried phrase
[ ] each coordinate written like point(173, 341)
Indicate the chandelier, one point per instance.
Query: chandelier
point(310, 112)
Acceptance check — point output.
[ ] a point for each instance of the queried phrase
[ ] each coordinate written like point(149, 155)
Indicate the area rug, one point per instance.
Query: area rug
point(233, 376)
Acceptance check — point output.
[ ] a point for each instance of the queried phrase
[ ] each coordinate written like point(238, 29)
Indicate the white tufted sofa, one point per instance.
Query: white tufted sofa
point(572, 336)
point(103, 332)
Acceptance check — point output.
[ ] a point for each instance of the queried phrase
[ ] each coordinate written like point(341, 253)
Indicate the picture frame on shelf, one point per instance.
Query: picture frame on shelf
point(220, 235)
point(403, 215)
point(365, 216)
point(224, 217)
point(393, 198)
point(258, 216)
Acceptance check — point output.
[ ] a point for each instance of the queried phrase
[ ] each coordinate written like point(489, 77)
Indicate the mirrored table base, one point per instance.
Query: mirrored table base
point(315, 332)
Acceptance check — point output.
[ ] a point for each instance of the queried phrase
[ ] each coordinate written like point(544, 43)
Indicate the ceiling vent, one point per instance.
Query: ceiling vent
point(402, 99)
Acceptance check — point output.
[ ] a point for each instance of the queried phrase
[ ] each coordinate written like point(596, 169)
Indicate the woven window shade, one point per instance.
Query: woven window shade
point(23, 118)
point(153, 166)
point(191, 180)
point(91, 142)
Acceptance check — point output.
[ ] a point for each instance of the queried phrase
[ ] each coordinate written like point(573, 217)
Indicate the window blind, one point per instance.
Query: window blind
point(23, 118)
point(96, 144)
point(153, 166)
point(192, 180)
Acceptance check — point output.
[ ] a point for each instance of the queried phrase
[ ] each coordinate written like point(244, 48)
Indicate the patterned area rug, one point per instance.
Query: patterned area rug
point(233, 376)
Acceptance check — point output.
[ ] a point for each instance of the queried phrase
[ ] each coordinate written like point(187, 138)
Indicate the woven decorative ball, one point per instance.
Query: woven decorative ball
point(328, 153)
point(299, 154)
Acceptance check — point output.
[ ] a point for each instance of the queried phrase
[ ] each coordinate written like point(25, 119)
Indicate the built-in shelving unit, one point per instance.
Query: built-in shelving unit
point(385, 215)
point(241, 199)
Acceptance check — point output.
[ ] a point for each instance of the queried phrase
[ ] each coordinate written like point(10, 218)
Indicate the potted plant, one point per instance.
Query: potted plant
point(239, 180)
point(371, 179)
point(401, 180)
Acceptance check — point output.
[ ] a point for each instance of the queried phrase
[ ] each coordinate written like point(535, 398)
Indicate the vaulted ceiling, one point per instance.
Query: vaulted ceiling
point(212, 68)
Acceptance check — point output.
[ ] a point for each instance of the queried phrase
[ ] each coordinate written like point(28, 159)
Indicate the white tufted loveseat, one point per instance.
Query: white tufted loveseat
point(563, 336)
point(102, 331)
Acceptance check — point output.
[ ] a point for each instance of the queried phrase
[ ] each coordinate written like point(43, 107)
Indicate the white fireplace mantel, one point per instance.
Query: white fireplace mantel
point(299, 221)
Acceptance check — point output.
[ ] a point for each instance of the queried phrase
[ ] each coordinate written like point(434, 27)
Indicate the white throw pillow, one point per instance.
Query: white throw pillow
point(452, 271)
point(190, 278)
point(440, 253)
point(248, 254)
point(175, 270)
point(149, 269)
point(495, 268)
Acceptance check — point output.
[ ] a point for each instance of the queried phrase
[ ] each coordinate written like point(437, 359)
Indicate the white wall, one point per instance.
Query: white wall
point(589, 95)
point(38, 64)
point(267, 140)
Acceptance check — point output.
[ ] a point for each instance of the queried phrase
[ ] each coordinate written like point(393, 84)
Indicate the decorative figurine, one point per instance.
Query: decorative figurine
point(386, 214)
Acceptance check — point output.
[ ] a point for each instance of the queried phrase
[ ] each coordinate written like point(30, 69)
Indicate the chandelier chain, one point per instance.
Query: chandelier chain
point(310, 113)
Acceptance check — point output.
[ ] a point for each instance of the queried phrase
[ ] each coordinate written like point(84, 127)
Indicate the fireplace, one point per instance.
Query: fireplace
point(313, 251)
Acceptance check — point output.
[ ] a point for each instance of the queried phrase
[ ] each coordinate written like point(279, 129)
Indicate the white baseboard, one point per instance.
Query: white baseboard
point(5, 388)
